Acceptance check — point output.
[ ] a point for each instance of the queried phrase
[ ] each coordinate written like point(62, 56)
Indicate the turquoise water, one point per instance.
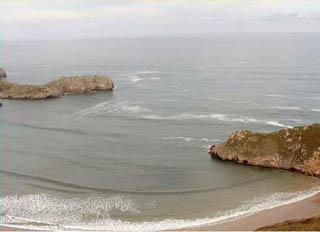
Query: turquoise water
point(136, 157)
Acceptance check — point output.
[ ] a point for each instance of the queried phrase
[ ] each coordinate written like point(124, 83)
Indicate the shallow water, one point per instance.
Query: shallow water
point(136, 157)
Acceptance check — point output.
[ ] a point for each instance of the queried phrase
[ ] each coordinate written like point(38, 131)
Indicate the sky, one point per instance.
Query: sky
point(77, 19)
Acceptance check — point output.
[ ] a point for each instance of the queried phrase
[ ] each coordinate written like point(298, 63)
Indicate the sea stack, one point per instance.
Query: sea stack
point(56, 88)
point(292, 149)
point(3, 73)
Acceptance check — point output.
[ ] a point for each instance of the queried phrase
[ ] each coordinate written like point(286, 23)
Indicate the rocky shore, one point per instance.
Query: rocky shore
point(55, 88)
point(296, 149)
point(3, 73)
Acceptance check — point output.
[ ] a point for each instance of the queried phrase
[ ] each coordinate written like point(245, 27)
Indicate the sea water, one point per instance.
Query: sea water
point(136, 157)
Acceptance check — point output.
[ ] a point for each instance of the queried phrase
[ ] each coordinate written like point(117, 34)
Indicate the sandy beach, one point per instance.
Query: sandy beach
point(308, 207)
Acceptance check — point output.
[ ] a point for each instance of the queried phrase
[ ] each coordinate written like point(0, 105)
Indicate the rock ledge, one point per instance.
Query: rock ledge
point(296, 149)
point(3, 73)
point(56, 88)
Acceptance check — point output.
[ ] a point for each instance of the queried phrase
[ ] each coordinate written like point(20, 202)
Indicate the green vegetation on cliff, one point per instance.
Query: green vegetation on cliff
point(56, 88)
point(291, 148)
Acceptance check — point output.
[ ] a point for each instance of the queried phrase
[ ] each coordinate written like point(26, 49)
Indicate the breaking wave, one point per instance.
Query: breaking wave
point(93, 213)
point(315, 110)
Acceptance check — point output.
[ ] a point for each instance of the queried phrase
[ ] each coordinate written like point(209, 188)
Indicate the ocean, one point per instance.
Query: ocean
point(135, 158)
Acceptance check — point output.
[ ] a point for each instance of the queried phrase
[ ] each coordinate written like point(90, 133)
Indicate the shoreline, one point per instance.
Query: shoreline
point(304, 208)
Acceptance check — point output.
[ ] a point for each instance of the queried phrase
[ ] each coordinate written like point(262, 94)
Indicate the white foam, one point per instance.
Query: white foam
point(237, 120)
point(186, 116)
point(147, 72)
point(43, 208)
point(136, 79)
point(109, 107)
point(68, 214)
point(220, 117)
point(276, 95)
point(188, 139)
point(286, 108)
point(252, 120)
point(153, 78)
point(145, 79)
point(274, 123)
point(315, 110)
point(294, 120)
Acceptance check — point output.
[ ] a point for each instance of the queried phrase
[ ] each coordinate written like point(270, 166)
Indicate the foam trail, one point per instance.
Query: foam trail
point(108, 107)
point(252, 120)
point(147, 72)
point(189, 139)
point(146, 79)
point(186, 116)
point(274, 123)
point(276, 95)
point(136, 80)
point(220, 117)
point(286, 108)
point(154, 78)
point(315, 110)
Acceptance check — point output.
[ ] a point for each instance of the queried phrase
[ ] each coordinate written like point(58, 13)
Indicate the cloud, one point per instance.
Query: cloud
point(152, 17)
point(292, 17)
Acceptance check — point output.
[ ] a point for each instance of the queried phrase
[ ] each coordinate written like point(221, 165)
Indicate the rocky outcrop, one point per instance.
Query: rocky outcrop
point(306, 224)
point(56, 88)
point(3, 73)
point(292, 149)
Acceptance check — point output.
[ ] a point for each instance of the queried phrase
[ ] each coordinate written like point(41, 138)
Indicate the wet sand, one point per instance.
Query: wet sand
point(309, 207)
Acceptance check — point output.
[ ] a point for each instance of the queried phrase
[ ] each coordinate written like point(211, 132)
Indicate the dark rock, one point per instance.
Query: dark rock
point(3, 73)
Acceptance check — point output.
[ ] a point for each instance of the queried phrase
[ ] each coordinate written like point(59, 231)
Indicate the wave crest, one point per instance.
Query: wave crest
point(34, 208)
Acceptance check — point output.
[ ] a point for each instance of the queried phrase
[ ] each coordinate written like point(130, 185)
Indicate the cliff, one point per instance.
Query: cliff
point(292, 149)
point(3, 73)
point(307, 224)
point(56, 88)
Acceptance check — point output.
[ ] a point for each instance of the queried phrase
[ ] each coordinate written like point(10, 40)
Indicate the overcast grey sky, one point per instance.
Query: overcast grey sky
point(68, 19)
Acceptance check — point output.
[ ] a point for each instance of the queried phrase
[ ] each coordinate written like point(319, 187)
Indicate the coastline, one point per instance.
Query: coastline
point(305, 208)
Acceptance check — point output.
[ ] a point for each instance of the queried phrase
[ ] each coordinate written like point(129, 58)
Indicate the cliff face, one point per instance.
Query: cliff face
point(56, 88)
point(3, 73)
point(293, 149)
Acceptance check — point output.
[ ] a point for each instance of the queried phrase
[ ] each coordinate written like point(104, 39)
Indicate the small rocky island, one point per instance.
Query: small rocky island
point(3, 73)
point(55, 88)
point(296, 149)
